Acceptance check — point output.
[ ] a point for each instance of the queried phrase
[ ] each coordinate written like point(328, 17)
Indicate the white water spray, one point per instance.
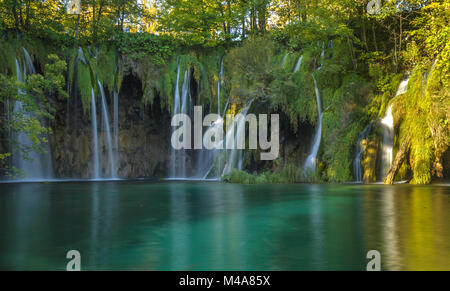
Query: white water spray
point(311, 160)
point(112, 164)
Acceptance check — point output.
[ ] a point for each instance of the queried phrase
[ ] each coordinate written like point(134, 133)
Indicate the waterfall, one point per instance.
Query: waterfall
point(112, 164)
point(322, 55)
point(387, 144)
point(181, 105)
point(310, 163)
point(387, 125)
point(36, 166)
point(96, 174)
point(205, 157)
point(402, 88)
point(284, 60)
point(234, 158)
point(297, 66)
point(359, 153)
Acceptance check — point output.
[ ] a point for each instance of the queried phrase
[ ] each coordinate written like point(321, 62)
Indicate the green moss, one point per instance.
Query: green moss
point(106, 67)
point(84, 83)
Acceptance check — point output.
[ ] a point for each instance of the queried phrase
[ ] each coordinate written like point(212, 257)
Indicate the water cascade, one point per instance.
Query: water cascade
point(234, 157)
point(36, 166)
point(310, 163)
point(387, 125)
point(112, 164)
point(283, 62)
point(299, 63)
point(181, 106)
point(206, 158)
point(95, 157)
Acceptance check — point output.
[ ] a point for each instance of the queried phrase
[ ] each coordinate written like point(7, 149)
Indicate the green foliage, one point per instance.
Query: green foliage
point(423, 114)
point(156, 48)
point(106, 67)
point(85, 85)
point(341, 126)
point(31, 99)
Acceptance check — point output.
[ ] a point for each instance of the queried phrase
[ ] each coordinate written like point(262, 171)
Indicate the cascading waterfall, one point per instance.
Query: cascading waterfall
point(234, 158)
point(181, 106)
point(387, 125)
point(95, 156)
point(322, 55)
point(112, 164)
point(36, 166)
point(310, 163)
point(359, 153)
point(387, 144)
point(206, 158)
point(299, 63)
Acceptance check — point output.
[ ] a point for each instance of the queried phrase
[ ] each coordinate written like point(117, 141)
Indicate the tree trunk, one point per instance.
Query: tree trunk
point(374, 37)
point(78, 26)
point(399, 159)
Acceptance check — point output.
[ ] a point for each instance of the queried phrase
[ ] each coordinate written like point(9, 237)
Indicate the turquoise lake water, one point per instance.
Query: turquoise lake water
point(137, 225)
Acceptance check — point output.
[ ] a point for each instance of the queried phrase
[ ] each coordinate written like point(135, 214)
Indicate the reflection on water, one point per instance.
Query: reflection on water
point(216, 226)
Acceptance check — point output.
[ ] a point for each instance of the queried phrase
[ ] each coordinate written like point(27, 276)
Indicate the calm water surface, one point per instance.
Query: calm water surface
point(217, 226)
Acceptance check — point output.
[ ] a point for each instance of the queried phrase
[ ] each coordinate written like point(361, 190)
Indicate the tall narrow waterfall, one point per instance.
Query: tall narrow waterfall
point(387, 143)
point(310, 163)
point(359, 153)
point(36, 166)
point(299, 63)
point(283, 62)
point(181, 105)
point(111, 161)
point(95, 157)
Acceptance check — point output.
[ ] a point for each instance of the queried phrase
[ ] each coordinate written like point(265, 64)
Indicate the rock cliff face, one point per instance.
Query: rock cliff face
point(144, 136)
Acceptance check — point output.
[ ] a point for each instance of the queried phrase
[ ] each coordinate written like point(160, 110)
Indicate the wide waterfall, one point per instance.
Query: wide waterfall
point(387, 142)
point(36, 166)
point(310, 163)
point(111, 161)
point(359, 153)
point(95, 156)
point(209, 164)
